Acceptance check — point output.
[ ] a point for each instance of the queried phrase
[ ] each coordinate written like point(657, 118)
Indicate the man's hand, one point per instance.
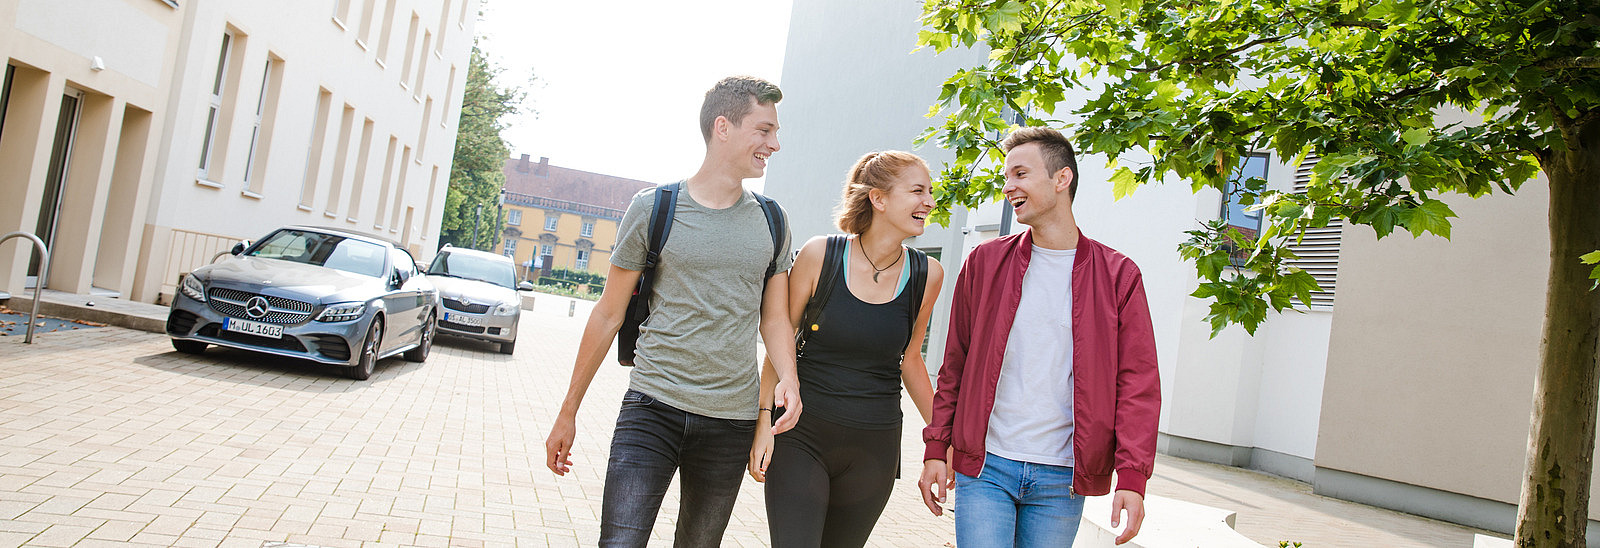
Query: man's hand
point(787, 396)
point(558, 447)
point(1133, 503)
point(935, 478)
point(761, 453)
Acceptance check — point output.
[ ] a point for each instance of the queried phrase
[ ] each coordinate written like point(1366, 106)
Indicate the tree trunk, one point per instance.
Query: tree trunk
point(1554, 506)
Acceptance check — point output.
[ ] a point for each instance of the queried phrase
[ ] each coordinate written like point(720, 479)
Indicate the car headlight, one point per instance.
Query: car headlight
point(192, 288)
point(505, 309)
point(342, 312)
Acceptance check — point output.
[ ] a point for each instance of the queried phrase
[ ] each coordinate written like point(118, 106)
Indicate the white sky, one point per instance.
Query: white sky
point(620, 82)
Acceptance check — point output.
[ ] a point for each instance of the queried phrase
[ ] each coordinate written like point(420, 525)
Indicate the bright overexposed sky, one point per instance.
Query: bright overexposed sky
point(620, 82)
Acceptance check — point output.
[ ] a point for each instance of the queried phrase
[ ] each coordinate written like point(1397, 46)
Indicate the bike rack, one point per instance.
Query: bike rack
point(44, 274)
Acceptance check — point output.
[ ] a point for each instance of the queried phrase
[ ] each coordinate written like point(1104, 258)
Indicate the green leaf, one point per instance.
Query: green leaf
point(1432, 216)
point(1467, 72)
point(1591, 257)
point(1417, 136)
point(1300, 284)
point(1123, 183)
point(1211, 265)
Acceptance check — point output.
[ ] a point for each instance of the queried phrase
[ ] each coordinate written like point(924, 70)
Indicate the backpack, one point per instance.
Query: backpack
point(832, 262)
point(661, 225)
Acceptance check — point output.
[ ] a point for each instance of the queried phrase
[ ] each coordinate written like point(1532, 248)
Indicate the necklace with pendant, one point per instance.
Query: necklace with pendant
point(875, 270)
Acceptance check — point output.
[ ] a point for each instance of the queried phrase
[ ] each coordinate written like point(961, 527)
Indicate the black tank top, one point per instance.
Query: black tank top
point(850, 368)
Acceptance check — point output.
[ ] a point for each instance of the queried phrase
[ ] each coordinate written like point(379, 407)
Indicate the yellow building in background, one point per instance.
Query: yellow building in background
point(562, 218)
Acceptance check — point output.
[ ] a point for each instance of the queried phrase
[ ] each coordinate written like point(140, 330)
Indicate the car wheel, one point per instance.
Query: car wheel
point(189, 347)
point(368, 361)
point(508, 347)
point(420, 353)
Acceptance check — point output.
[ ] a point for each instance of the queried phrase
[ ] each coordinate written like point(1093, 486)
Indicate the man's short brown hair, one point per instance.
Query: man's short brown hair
point(1056, 148)
point(731, 98)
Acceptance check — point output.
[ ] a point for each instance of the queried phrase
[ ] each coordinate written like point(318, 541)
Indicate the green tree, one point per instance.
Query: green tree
point(1182, 89)
point(477, 173)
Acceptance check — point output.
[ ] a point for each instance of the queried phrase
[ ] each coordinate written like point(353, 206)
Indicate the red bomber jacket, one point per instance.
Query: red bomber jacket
point(1116, 386)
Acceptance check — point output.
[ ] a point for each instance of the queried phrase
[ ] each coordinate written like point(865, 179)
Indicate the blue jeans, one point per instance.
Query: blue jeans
point(652, 441)
point(1016, 504)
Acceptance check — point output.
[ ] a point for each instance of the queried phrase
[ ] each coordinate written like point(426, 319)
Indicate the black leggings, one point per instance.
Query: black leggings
point(828, 483)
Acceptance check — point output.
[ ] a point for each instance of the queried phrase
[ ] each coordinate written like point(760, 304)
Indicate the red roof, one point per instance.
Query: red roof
point(543, 180)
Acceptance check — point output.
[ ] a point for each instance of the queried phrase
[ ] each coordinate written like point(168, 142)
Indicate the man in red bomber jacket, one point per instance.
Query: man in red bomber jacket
point(1049, 383)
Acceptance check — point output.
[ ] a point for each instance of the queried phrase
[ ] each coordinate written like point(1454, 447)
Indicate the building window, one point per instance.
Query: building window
point(547, 250)
point(511, 247)
point(214, 114)
point(588, 229)
point(583, 260)
point(550, 222)
point(1235, 211)
point(514, 217)
point(261, 132)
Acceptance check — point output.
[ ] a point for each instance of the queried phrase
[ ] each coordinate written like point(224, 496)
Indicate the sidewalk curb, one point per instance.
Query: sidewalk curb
point(75, 307)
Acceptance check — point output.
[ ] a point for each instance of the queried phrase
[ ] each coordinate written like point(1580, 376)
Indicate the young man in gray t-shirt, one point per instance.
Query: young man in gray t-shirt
point(693, 399)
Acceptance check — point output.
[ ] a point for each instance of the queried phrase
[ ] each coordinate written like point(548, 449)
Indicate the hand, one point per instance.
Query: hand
point(935, 478)
point(761, 453)
point(1133, 503)
point(787, 396)
point(558, 447)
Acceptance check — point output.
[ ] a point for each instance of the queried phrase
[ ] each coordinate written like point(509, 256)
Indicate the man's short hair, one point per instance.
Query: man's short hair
point(1056, 148)
point(731, 98)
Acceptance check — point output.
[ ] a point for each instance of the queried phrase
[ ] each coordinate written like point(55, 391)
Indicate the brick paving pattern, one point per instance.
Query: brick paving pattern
point(110, 438)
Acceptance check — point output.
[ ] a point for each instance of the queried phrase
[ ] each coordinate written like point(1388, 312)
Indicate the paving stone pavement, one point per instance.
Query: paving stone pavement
point(110, 438)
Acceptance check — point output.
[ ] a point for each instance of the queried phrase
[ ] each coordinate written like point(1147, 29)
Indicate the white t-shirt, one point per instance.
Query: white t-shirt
point(1032, 416)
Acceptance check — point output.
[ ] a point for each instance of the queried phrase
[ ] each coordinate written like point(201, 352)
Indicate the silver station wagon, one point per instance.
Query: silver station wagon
point(325, 295)
point(479, 293)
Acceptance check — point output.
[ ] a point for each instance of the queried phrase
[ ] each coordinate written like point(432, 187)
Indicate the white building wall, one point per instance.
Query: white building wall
point(849, 88)
point(196, 215)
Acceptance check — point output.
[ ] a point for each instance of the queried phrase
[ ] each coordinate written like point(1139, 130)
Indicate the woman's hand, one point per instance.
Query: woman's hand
point(761, 450)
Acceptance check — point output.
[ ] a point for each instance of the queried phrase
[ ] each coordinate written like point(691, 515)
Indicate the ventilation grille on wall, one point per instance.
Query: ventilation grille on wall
point(1319, 249)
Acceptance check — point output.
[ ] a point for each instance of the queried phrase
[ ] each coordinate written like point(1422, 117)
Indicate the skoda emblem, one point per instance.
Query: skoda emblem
point(256, 307)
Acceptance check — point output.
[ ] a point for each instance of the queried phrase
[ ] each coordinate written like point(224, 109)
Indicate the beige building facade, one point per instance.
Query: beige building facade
point(557, 217)
point(143, 137)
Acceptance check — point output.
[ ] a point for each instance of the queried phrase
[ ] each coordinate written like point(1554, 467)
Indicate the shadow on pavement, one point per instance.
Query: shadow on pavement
point(245, 367)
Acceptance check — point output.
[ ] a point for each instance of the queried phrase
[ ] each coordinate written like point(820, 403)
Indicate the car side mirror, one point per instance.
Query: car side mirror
point(240, 247)
point(525, 286)
point(400, 277)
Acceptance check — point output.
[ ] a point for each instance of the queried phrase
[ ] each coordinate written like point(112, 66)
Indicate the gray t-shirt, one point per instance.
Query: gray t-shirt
point(697, 350)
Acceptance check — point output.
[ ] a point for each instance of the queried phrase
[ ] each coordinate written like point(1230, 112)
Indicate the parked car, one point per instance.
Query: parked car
point(325, 295)
point(479, 293)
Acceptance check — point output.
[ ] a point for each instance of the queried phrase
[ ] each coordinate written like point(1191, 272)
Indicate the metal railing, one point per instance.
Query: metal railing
point(44, 274)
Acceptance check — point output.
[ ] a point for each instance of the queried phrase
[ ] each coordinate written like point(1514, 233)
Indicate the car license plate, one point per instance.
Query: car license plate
point(252, 328)
point(463, 319)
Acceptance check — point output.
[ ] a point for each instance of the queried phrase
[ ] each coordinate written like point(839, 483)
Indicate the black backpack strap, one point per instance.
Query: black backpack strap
point(918, 262)
point(832, 264)
point(661, 222)
point(778, 225)
point(639, 305)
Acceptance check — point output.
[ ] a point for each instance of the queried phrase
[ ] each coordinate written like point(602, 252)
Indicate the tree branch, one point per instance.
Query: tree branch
point(1212, 59)
point(1375, 25)
point(1580, 62)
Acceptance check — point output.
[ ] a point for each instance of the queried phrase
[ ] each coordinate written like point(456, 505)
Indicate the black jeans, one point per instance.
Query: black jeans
point(652, 441)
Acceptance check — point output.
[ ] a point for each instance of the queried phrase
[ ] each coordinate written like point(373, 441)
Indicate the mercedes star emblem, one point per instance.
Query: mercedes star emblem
point(256, 307)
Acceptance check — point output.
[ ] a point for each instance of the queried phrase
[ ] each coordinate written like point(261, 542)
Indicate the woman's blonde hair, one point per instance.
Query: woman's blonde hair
point(874, 170)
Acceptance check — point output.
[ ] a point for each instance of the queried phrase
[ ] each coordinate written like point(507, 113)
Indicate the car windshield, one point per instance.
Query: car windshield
point(497, 272)
point(315, 248)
